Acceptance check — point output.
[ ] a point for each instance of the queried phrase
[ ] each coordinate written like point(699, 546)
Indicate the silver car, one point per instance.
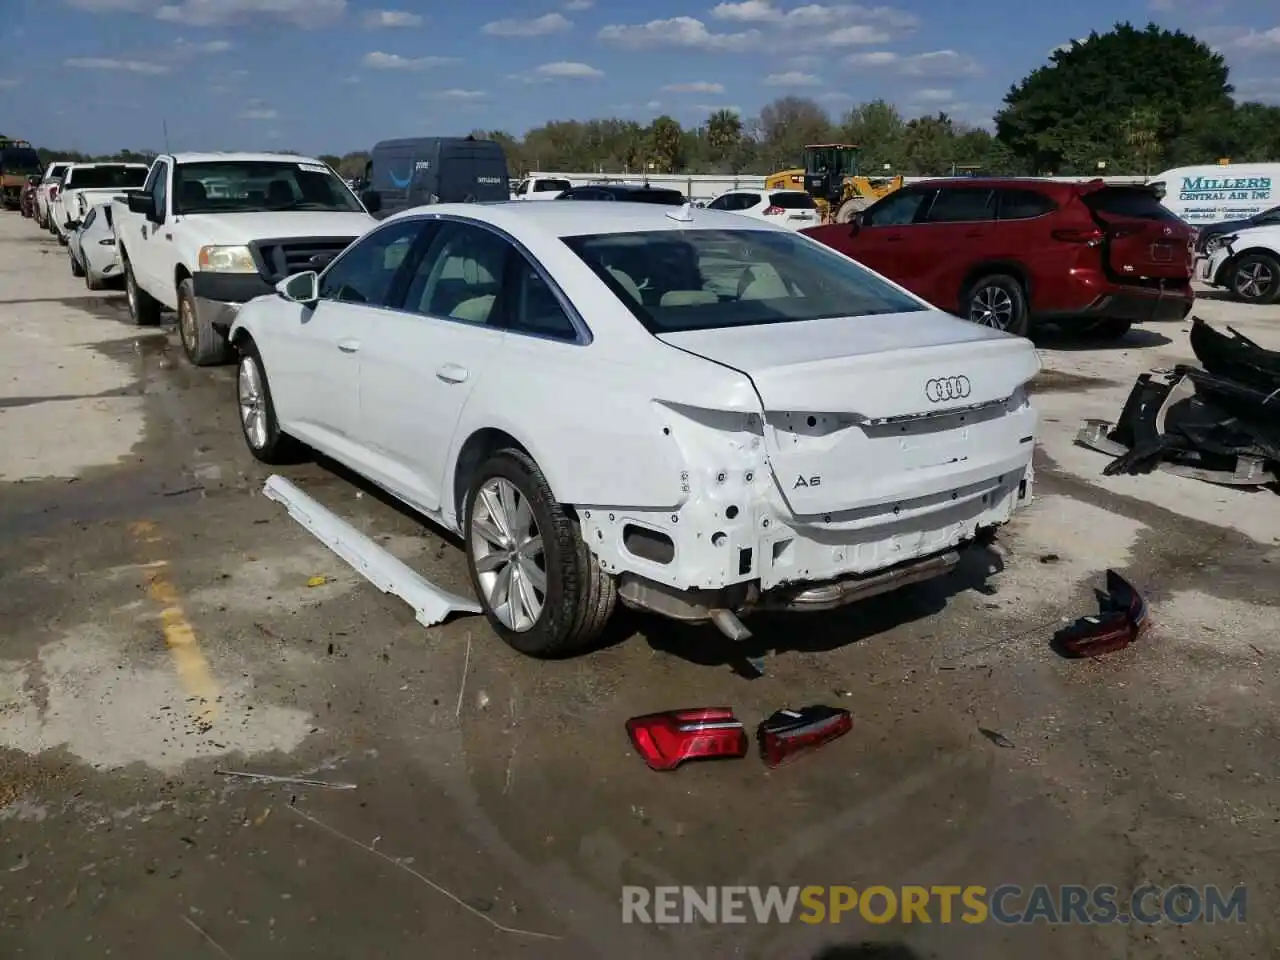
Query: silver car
point(91, 245)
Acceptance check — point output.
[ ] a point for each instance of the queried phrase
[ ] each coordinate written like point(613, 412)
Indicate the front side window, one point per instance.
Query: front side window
point(896, 210)
point(709, 279)
point(363, 273)
point(259, 186)
point(88, 221)
point(792, 200)
point(160, 188)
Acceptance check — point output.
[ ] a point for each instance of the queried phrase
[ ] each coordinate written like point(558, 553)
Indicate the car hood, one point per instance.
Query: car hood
point(242, 228)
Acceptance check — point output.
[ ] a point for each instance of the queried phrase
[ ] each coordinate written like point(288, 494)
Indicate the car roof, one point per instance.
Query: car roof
point(1039, 184)
point(589, 217)
point(625, 187)
point(249, 157)
point(109, 163)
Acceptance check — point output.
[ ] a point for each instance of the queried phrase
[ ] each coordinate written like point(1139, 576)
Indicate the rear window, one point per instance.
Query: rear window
point(105, 177)
point(546, 186)
point(675, 280)
point(792, 200)
point(1142, 204)
point(667, 197)
point(962, 205)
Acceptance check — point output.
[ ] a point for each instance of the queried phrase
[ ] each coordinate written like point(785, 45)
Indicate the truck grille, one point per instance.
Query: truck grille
point(278, 259)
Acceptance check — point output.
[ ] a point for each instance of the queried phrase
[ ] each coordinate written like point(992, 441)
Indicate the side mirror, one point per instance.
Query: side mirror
point(144, 203)
point(372, 200)
point(301, 288)
point(73, 224)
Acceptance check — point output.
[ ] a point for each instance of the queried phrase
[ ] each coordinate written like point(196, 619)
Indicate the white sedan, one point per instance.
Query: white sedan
point(91, 246)
point(678, 409)
point(793, 209)
point(1246, 262)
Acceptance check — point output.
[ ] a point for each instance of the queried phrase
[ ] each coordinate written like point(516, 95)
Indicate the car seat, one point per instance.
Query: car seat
point(762, 282)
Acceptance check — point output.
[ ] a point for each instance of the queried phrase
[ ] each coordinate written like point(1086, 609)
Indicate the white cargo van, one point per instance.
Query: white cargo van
point(1211, 193)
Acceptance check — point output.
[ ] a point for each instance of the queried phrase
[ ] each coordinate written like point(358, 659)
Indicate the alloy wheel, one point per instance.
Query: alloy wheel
point(991, 307)
point(187, 325)
point(506, 547)
point(1254, 279)
point(253, 402)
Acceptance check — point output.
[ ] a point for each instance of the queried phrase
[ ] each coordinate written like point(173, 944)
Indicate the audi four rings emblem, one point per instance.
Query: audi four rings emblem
point(947, 388)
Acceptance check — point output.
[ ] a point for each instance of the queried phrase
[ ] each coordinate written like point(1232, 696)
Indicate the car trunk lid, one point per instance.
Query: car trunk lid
point(1142, 239)
point(867, 411)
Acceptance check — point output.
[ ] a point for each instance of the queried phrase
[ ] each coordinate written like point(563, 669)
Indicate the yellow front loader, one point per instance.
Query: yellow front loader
point(830, 175)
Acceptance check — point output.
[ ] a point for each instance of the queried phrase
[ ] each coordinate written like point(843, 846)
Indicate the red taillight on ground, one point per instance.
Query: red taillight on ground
point(790, 732)
point(1091, 236)
point(666, 740)
point(1121, 619)
point(774, 211)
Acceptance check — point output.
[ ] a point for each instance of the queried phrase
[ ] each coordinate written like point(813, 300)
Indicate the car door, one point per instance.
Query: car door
point(314, 353)
point(147, 254)
point(956, 233)
point(428, 356)
point(883, 237)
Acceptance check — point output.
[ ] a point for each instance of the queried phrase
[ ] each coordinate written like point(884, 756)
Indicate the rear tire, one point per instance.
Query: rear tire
point(203, 345)
point(1255, 278)
point(999, 301)
point(144, 310)
point(516, 535)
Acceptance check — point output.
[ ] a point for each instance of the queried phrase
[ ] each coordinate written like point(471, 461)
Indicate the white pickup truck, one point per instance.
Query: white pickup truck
point(535, 187)
point(209, 232)
point(84, 186)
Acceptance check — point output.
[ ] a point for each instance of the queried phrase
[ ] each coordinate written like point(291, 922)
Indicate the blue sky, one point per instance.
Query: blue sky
point(337, 75)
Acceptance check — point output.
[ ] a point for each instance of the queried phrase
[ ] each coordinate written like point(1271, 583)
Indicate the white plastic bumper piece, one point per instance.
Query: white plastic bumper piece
point(390, 575)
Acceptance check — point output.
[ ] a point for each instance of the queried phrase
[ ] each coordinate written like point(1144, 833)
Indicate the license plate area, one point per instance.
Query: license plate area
point(1162, 252)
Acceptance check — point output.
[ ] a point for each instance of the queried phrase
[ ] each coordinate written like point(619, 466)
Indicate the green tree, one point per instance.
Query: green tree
point(1060, 113)
point(666, 144)
point(724, 134)
point(785, 126)
point(877, 130)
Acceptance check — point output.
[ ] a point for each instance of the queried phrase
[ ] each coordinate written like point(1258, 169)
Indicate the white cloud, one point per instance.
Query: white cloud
point(182, 46)
point(933, 95)
point(1064, 47)
point(377, 60)
point(716, 108)
point(836, 96)
point(654, 104)
point(104, 63)
point(259, 113)
point(936, 63)
point(377, 19)
point(814, 15)
point(856, 35)
point(575, 5)
point(538, 27)
point(110, 6)
point(1259, 89)
point(1254, 41)
point(567, 69)
point(698, 86)
point(792, 78)
point(8, 83)
point(308, 14)
point(677, 32)
point(459, 94)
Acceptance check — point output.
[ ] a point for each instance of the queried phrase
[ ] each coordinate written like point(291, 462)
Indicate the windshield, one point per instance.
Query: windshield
point(14, 160)
point(258, 186)
point(105, 177)
point(676, 280)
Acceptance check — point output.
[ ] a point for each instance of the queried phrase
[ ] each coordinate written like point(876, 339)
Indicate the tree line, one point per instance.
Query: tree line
point(1129, 101)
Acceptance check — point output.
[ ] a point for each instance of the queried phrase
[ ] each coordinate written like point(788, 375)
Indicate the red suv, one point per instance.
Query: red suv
point(1006, 252)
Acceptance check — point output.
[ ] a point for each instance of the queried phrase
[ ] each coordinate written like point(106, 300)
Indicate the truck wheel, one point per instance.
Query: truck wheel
point(542, 590)
point(76, 269)
point(204, 346)
point(144, 309)
point(997, 300)
point(1255, 278)
point(267, 442)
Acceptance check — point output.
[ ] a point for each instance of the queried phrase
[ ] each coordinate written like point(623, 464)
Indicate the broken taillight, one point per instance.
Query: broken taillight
point(1121, 619)
point(666, 740)
point(790, 732)
point(774, 211)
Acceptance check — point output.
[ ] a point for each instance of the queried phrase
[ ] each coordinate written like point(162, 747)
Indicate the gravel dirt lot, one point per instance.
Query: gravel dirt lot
point(157, 626)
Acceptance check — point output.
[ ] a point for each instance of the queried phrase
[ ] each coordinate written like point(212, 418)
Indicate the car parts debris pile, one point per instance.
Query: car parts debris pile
point(1220, 424)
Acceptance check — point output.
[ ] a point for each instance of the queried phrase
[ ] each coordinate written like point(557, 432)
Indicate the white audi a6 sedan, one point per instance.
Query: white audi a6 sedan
point(689, 412)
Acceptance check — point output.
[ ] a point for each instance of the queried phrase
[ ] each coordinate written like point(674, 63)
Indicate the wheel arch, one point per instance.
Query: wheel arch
point(989, 268)
point(180, 273)
point(475, 450)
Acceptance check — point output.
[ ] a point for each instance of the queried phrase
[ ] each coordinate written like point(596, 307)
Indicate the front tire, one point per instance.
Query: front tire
point(542, 590)
point(76, 269)
point(258, 422)
point(144, 310)
point(1255, 278)
point(1109, 329)
point(997, 301)
point(203, 345)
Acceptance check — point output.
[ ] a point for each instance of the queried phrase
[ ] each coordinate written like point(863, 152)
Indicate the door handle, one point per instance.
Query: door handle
point(452, 373)
point(348, 346)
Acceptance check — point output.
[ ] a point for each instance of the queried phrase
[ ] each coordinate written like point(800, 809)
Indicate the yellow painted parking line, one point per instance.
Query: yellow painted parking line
point(193, 669)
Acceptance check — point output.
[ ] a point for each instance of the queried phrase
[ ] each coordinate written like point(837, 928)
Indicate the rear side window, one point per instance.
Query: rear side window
point(1024, 204)
point(672, 198)
point(792, 200)
point(735, 201)
point(1128, 202)
point(961, 205)
point(547, 186)
point(898, 209)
